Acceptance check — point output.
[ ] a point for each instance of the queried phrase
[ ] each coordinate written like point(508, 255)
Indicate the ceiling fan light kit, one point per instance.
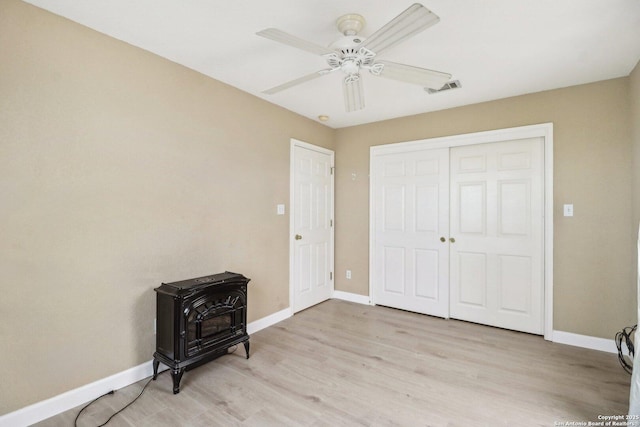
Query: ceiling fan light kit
point(352, 53)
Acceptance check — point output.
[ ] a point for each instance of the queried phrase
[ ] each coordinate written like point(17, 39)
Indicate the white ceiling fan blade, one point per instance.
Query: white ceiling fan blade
point(410, 74)
point(291, 40)
point(409, 23)
point(353, 93)
point(297, 81)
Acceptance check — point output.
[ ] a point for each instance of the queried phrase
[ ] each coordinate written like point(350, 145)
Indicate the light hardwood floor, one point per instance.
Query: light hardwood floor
point(340, 363)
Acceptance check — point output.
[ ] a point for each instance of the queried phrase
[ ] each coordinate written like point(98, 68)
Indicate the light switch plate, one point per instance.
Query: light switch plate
point(280, 210)
point(568, 210)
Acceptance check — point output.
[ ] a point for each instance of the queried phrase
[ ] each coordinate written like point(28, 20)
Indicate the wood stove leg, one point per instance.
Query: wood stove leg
point(156, 364)
point(176, 375)
point(246, 348)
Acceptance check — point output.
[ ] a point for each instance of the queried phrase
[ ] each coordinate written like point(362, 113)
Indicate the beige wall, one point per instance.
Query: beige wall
point(593, 277)
point(634, 83)
point(120, 170)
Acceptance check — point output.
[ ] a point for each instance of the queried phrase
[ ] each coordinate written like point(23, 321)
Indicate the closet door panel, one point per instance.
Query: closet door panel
point(411, 215)
point(496, 251)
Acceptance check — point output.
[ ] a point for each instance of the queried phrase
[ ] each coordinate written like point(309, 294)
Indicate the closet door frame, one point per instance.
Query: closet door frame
point(544, 130)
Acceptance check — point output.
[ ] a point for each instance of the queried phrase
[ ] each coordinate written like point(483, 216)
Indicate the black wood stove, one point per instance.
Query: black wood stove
point(198, 320)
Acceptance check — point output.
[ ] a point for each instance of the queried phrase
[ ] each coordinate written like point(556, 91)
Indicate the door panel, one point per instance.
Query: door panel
point(427, 269)
point(411, 194)
point(427, 208)
point(393, 265)
point(471, 208)
point(394, 208)
point(312, 213)
point(514, 283)
point(514, 208)
point(497, 224)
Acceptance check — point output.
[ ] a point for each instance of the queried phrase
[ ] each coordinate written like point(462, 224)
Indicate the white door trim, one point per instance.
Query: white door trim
point(544, 130)
point(297, 143)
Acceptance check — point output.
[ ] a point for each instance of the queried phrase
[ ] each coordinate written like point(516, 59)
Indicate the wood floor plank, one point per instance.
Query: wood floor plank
point(341, 363)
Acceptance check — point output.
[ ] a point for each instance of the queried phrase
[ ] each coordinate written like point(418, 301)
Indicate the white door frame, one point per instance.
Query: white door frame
point(544, 130)
point(297, 143)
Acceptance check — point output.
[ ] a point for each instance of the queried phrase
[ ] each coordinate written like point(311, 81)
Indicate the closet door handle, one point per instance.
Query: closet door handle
point(442, 239)
point(452, 240)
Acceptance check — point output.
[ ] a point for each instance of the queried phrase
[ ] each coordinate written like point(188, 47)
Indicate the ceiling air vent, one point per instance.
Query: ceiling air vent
point(454, 84)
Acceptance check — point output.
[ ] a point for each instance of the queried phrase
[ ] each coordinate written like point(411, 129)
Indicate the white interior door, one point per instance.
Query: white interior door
point(496, 250)
point(312, 225)
point(411, 193)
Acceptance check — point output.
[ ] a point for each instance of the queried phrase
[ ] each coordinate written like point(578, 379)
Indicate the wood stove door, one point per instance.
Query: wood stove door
point(212, 320)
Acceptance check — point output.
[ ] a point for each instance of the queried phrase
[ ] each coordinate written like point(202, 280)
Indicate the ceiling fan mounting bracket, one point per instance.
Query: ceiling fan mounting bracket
point(350, 24)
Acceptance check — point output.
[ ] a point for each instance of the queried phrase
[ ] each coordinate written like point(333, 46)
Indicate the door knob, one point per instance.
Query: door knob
point(442, 239)
point(452, 240)
point(298, 237)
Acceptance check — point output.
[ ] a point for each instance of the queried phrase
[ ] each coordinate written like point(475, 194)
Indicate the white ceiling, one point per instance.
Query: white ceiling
point(496, 48)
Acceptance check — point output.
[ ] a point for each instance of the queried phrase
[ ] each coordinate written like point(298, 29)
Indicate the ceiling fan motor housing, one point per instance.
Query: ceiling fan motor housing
point(346, 43)
point(348, 56)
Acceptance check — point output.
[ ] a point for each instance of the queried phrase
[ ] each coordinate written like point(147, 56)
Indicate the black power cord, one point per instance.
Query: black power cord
point(75, 422)
point(626, 336)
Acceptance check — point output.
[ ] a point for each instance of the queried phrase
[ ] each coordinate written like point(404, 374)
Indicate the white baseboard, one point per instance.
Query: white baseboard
point(347, 296)
point(72, 398)
point(271, 319)
point(585, 341)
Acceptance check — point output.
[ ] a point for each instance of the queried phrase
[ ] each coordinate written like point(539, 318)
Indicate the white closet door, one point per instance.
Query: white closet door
point(411, 215)
point(496, 249)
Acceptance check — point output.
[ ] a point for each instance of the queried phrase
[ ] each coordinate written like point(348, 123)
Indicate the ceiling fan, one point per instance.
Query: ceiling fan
point(351, 54)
